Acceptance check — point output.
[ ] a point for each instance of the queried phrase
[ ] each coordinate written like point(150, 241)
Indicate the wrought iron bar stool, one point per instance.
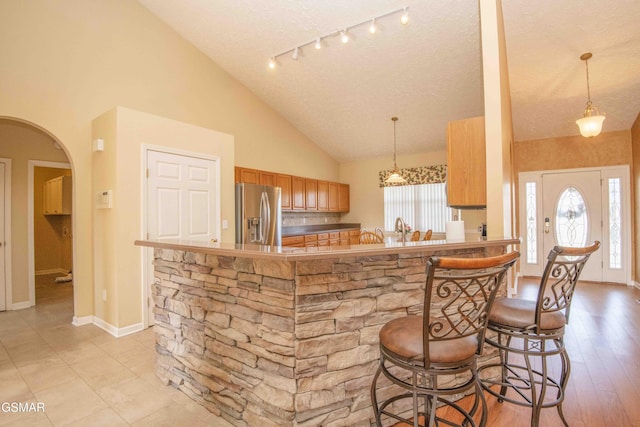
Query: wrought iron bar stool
point(534, 330)
point(434, 355)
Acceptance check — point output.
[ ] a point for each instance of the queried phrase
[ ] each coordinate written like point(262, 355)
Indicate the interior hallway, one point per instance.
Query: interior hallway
point(83, 375)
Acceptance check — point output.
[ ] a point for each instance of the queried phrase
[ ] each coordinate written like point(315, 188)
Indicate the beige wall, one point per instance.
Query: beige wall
point(64, 63)
point(118, 263)
point(635, 182)
point(51, 233)
point(367, 197)
point(22, 143)
point(606, 149)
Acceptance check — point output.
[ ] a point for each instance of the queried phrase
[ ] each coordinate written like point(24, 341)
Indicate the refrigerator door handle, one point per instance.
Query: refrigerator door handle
point(265, 217)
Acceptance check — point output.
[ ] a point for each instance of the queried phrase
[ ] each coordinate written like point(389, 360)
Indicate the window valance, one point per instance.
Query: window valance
point(420, 175)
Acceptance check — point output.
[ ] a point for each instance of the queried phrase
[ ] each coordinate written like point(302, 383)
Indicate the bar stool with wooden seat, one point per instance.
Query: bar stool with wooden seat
point(428, 234)
point(368, 237)
point(533, 332)
point(415, 236)
point(420, 354)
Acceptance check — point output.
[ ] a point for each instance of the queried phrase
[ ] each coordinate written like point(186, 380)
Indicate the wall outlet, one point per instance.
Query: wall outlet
point(104, 295)
point(225, 224)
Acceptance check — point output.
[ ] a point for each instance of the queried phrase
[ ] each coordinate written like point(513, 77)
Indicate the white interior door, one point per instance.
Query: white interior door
point(572, 215)
point(182, 202)
point(3, 281)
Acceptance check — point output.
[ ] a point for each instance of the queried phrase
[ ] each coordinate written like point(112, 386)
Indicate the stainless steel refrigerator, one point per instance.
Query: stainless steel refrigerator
point(258, 214)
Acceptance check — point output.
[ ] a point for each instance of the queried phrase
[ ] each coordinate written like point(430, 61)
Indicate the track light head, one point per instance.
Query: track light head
point(344, 37)
point(404, 19)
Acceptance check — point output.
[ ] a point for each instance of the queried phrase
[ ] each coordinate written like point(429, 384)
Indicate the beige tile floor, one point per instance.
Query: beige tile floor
point(82, 375)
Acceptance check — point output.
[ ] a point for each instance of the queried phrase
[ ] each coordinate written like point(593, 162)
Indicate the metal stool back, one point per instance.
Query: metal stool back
point(420, 355)
point(534, 330)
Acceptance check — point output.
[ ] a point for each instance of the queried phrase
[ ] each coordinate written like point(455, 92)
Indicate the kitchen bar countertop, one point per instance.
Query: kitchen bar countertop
point(287, 253)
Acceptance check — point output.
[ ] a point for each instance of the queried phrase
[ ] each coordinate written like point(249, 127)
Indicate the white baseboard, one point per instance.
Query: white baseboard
point(117, 332)
point(20, 305)
point(83, 320)
point(634, 284)
point(52, 271)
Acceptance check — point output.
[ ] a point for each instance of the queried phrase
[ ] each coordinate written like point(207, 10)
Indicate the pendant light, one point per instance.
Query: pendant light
point(395, 177)
point(591, 122)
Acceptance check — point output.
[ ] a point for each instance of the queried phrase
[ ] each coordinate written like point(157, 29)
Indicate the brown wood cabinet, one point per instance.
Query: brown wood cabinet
point(311, 194)
point(284, 182)
point(300, 193)
point(323, 196)
point(248, 176)
point(334, 197)
point(343, 197)
point(335, 238)
point(267, 178)
point(466, 167)
point(299, 196)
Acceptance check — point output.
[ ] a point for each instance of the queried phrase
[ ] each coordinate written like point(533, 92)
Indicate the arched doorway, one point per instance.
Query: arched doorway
point(26, 145)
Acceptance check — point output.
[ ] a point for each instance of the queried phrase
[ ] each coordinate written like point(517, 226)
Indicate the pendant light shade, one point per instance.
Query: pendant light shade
point(395, 177)
point(591, 122)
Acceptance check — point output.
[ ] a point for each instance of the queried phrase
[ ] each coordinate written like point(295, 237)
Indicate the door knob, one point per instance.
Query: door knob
point(546, 225)
point(214, 240)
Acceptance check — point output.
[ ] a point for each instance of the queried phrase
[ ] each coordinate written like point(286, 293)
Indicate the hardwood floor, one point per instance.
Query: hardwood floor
point(603, 342)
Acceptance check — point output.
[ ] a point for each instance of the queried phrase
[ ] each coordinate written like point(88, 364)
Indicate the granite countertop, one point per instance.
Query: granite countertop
point(298, 230)
point(287, 253)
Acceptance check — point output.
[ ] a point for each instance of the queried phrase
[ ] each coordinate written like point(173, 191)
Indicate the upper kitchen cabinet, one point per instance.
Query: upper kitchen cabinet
point(297, 190)
point(248, 176)
point(311, 194)
point(284, 182)
point(299, 193)
point(466, 164)
point(343, 197)
point(57, 196)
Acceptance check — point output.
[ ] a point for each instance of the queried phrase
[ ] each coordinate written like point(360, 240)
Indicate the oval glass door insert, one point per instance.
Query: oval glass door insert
point(572, 222)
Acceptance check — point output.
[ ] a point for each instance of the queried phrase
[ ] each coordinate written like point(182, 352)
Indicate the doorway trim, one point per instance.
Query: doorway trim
point(32, 164)
point(147, 253)
point(621, 171)
point(8, 283)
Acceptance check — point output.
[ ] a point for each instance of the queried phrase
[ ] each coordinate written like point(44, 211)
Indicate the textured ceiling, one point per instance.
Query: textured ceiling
point(427, 72)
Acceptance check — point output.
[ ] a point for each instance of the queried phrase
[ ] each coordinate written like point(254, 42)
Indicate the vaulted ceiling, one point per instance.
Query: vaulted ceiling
point(427, 72)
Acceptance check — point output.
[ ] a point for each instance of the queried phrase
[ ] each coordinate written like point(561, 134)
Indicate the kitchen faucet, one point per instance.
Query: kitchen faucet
point(402, 230)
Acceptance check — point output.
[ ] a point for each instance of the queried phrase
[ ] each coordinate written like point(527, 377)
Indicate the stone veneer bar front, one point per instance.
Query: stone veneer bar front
point(271, 336)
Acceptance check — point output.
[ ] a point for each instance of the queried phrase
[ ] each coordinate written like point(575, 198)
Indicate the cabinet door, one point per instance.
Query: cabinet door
point(333, 197)
point(323, 196)
point(311, 194)
point(466, 154)
point(343, 197)
point(249, 176)
point(297, 188)
point(267, 178)
point(284, 182)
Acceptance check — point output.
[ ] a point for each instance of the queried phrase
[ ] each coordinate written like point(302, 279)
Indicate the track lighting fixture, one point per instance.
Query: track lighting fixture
point(344, 35)
point(404, 19)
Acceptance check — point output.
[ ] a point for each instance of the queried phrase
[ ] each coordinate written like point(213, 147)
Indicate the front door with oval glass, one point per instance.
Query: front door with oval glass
point(572, 211)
